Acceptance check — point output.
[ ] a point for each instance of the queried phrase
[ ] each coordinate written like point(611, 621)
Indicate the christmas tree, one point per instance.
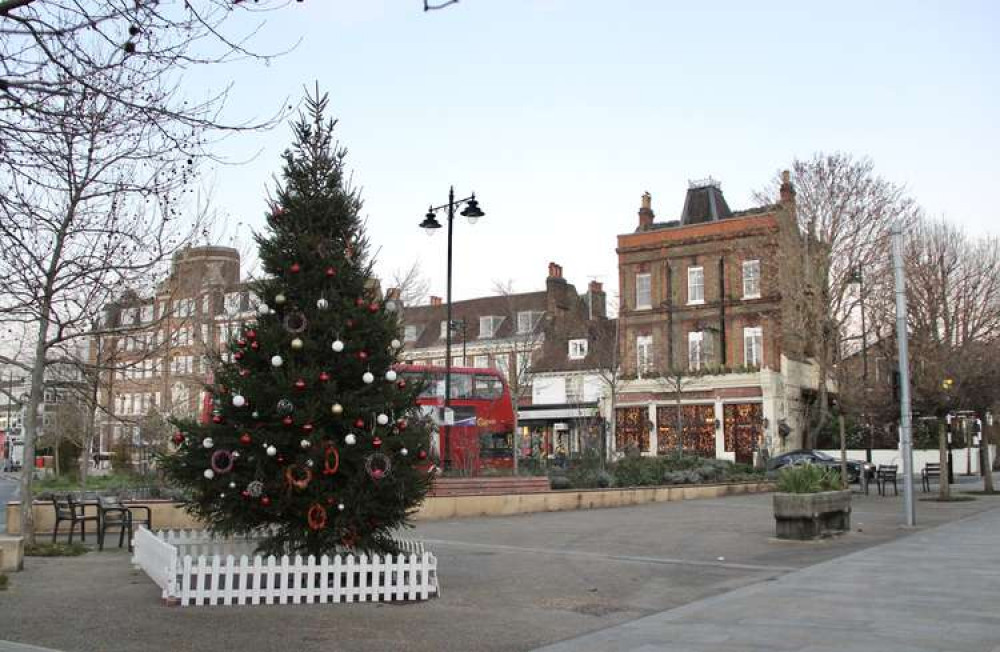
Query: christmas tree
point(314, 443)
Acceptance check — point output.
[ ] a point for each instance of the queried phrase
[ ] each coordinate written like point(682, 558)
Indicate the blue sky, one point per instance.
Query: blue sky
point(559, 114)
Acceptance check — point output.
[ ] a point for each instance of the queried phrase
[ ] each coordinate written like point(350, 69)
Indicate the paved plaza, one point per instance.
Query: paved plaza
point(694, 575)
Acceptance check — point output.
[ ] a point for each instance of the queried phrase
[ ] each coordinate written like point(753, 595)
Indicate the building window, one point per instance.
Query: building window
point(696, 285)
point(147, 313)
point(526, 320)
point(410, 333)
point(574, 389)
point(577, 349)
point(643, 293)
point(502, 364)
point(232, 303)
point(439, 362)
point(185, 307)
point(488, 326)
point(644, 354)
point(444, 329)
point(481, 361)
point(751, 279)
point(699, 350)
point(753, 342)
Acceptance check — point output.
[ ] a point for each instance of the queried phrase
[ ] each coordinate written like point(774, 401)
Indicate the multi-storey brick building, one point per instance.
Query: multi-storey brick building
point(156, 360)
point(704, 303)
point(544, 342)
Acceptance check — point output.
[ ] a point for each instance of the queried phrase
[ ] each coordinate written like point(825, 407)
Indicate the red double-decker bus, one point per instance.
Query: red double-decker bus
point(483, 432)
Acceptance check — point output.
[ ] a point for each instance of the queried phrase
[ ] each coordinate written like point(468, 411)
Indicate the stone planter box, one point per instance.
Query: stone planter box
point(812, 516)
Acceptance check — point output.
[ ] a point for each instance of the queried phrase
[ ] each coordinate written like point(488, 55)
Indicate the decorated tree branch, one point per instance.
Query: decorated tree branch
point(314, 443)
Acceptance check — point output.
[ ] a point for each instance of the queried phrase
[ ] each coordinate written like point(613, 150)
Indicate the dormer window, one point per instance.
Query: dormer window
point(526, 320)
point(444, 329)
point(577, 349)
point(410, 333)
point(488, 326)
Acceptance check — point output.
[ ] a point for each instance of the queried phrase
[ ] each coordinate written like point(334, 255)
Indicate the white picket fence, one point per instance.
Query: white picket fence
point(195, 568)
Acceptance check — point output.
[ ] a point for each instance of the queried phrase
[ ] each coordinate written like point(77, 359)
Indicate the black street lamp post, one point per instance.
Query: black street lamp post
point(858, 277)
point(431, 224)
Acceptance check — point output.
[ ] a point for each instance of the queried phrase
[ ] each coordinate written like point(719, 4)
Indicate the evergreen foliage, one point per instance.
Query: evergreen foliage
point(312, 448)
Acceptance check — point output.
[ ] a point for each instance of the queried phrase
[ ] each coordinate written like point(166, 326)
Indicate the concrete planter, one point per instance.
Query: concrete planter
point(812, 516)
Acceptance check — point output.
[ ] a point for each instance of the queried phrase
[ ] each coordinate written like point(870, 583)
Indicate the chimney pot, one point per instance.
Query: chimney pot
point(596, 286)
point(436, 301)
point(787, 192)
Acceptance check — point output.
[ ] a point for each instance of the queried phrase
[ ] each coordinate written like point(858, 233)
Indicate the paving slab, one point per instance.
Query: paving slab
point(919, 594)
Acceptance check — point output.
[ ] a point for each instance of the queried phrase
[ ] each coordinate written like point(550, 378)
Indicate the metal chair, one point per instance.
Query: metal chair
point(115, 514)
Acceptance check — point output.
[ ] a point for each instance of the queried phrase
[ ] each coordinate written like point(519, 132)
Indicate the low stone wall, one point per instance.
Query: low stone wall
point(169, 515)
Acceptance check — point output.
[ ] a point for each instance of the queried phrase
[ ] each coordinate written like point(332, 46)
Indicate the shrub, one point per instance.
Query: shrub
point(808, 479)
point(560, 482)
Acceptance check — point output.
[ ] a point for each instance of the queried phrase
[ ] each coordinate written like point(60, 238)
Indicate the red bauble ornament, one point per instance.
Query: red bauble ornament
point(251, 334)
point(377, 442)
point(295, 268)
point(359, 423)
point(401, 424)
point(265, 501)
point(300, 384)
point(178, 438)
point(422, 454)
point(287, 421)
point(373, 307)
point(241, 342)
point(217, 419)
point(308, 427)
point(330, 271)
point(362, 355)
point(359, 302)
point(349, 323)
point(246, 439)
point(245, 493)
point(324, 377)
point(238, 355)
point(255, 345)
point(401, 384)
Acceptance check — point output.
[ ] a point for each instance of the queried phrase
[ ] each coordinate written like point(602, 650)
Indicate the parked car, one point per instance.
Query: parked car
point(805, 456)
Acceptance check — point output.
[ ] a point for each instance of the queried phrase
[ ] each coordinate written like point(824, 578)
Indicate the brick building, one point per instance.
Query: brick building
point(155, 363)
point(704, 302)
point(544, 343)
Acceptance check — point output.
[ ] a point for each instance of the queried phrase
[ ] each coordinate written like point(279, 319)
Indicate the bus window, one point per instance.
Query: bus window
point(488, 387)
point(461, 386)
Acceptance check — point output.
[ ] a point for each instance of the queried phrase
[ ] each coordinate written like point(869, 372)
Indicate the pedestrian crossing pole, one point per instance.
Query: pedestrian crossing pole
point(905, 416)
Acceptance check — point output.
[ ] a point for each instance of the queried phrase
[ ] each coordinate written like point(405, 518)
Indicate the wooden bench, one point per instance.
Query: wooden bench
point(489, 486)
point(931, 470)
point(885, 474)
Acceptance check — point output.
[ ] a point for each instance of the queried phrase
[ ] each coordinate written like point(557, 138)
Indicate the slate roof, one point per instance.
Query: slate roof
point(428, 318)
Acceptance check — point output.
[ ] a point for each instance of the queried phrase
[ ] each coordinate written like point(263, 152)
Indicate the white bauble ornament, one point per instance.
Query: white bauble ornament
point(404, 452)
point(382, 419)
point(309, 462)
point(207, 442)
point(209, 474)
point(222, 495)
point(390, 376)
point(340, 506)
point(262, 309)
point(239, 401)
point(272, 451)
point(322, 303)
point(276, 361)
point(236, 454)
point(337, 408)
point(395, 344)
point(279, 299)
point(232, 485)
point(297, 344)
point(337, 346)
point(368, 378)
point(305, 443)
point(350, 439)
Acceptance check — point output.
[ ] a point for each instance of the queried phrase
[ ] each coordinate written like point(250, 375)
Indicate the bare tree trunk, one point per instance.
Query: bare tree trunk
point(944, 486)
point(36, 393)
point(986, 465)
point(680, 420)
point(516, 439)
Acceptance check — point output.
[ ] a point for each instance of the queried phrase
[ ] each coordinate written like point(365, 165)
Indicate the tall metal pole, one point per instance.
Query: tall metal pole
point(906, 426)
point(446, 440)
point(864, 366)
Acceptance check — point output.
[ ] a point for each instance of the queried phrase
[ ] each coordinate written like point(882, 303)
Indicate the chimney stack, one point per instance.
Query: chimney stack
point(787, 192)
point(555, 271)
point(596, 301)
point(646, 212)
point(436, 301)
